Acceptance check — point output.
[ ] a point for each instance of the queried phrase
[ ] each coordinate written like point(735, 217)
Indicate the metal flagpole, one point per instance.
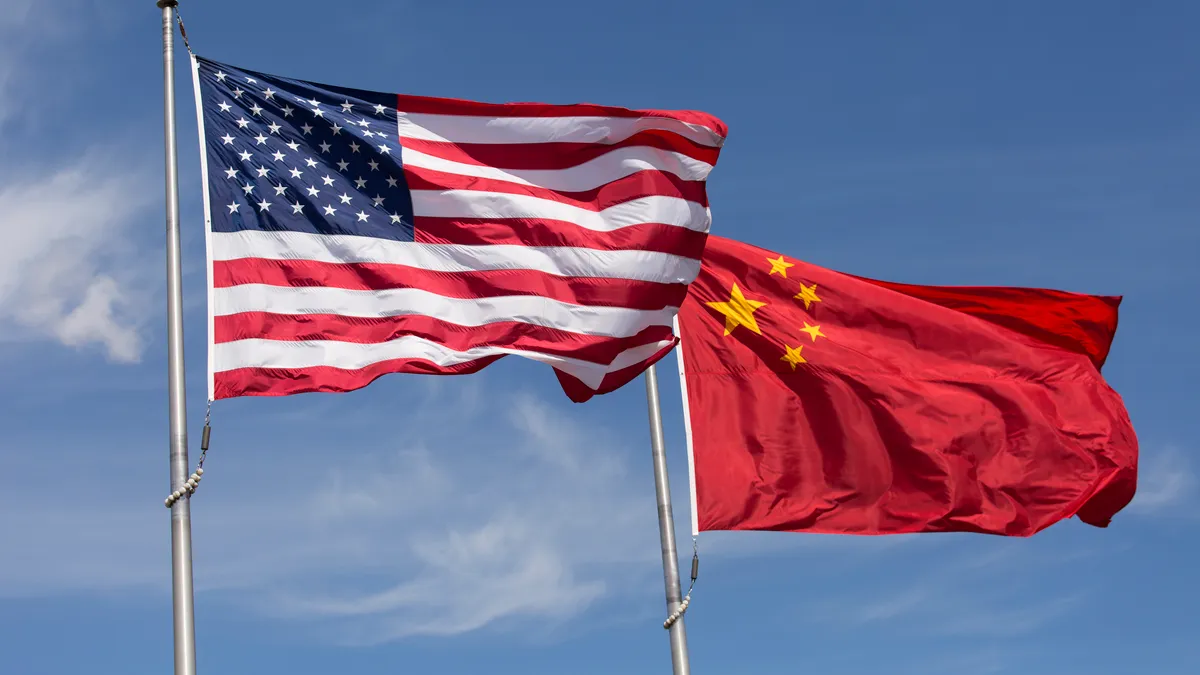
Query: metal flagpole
point(666, 527)
point(181, 517)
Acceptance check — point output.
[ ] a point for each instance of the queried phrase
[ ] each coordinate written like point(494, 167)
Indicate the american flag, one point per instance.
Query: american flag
point(353, 234)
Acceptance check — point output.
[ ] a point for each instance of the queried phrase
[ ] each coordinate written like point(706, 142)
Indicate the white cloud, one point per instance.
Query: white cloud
point(1165, 479)
point(63, 258)
point(518, 512)
point(64, 271)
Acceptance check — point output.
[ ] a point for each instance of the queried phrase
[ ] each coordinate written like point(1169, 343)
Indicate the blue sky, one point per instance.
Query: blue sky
point(486, 524)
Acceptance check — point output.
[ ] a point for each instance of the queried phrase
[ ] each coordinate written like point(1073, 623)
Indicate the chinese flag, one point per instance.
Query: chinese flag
point(823, 402)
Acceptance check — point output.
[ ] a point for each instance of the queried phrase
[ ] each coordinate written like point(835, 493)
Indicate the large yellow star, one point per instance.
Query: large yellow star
point(738, 311)
point(779, 266)
point(808, 295)
point(793, 356)
point(814, 331)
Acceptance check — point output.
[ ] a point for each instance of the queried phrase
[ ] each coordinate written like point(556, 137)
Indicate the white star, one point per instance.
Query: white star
point(301, 99)
point(396, 218)
point(312, 163)
point(374, 165)
point(329, 211)
point(354, 147)
point(234, 207)
point(278, 156)
point(343, 165)
point(287, 111)
point(313, 102)
point(261, 139)
point(378, 200)
point(307, 129)
point(312, 190)
point(280, 189)
point(325, 146)
point(244, 155)
point(237, 93)
point(243, 122)
point(256, 109)
point(296, 173)
point(228, 139)
point(336, 129)
point(385, 149)
point(347, 106)
point(362, 217)
point(247, 188)
point(225, 107)
point(221, 76)
point(274, 128)
point(370, 134)
point(364, 123)
point(379, 109)
point(251, 80)
point(269, 93)
point(391, 181)
point(360, 183)
point(264, 205)
point(327, 179)
point(293, 145)
point(318, 112)
point(344, 197)
point(230, 172)
point(262, 171)
point(297, 207)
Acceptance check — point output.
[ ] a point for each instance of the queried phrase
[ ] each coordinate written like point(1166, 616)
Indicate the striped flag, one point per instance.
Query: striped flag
point(352, 234)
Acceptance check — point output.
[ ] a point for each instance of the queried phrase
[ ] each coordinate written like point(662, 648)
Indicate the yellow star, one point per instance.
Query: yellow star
point(738, 311)
point(779, 266)
point(814, 331)
point(808, 295)
point(793, 356)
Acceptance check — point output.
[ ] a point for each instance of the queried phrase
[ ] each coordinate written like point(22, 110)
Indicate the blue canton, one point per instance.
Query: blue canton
point(288, 155)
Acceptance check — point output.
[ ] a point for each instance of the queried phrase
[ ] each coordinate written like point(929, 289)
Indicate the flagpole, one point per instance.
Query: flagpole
point(181, 517)
point(666, 527)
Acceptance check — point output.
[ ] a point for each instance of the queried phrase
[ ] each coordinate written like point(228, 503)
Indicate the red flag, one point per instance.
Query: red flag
point(823, 402)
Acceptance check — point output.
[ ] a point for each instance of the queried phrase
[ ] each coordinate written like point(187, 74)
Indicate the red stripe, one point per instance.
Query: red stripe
point(360, 330)
point(579, 392)
point(528, 232)
point(557, 155)
point(477, 284)
point(634, 186)
point(288, 381)
point(453, 106)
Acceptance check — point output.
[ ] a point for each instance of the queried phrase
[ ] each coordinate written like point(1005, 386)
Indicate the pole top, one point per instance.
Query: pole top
point(163, 4)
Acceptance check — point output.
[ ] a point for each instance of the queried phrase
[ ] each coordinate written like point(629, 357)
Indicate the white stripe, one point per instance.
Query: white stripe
point(532, 309)
point(557, 260)
point(499, 205)
point(589, 175)
point(255, 353)
point(510, 130)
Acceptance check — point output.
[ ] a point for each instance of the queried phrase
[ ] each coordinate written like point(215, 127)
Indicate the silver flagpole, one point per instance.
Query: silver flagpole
point(666, 527)
point(181, 517)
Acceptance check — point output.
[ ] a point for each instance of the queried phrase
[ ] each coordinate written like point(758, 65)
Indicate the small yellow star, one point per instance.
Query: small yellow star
point(738, 311)
point(808, 295)
point(779, 266)
point(793, 356)
point(814, 331)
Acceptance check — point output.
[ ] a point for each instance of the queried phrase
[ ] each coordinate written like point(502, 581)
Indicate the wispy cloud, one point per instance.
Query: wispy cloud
point(66, 271)
point(519, 512)
point(967, 596)
point(1166, 478)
